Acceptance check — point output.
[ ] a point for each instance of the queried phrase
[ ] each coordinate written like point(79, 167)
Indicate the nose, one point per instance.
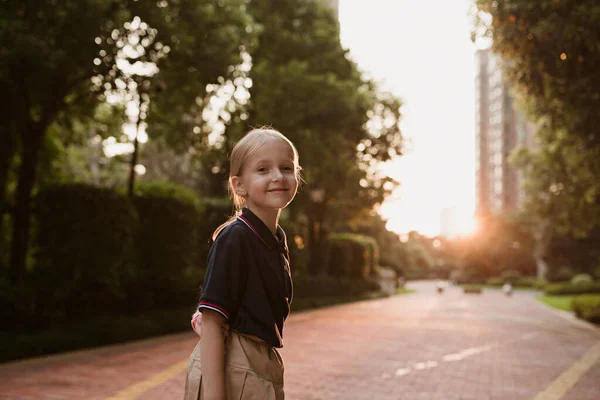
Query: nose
point(277, 175)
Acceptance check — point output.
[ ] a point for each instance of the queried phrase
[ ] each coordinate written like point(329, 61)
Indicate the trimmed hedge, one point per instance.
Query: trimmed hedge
point(351, 255)
point(569, 288)
point(93, 332)
point(522, 282)
point(168, 275)
point(306, 286)
point(587, 307)
point(84, 252)
point(582, 278)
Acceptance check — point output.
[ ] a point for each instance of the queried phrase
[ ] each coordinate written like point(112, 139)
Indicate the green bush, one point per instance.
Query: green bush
point(84, 251)
point(168, 242)
point(562, 274)
point(581, 278)
point(530, 282)
point(214, 212)
point(93, 332)
point(306, 286)
point(511, 276)
point(555, 289)
point(540, 284)
point(468, 275)
point(167, 190)
point(351, 255)
point(494, 281)
point(316, 302)
point(587, 307)
point(521, 282)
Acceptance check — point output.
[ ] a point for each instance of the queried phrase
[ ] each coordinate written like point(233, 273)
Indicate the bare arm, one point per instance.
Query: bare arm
point(212, 355)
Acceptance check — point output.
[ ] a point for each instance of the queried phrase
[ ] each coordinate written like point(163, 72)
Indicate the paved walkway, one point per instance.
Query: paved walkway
point(417, 346)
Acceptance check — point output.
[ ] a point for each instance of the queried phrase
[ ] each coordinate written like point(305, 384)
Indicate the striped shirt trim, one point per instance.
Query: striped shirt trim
point(245, 221)
point(213, 307)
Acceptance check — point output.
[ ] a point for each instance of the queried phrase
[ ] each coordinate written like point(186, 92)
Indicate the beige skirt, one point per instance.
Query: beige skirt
point(253, 370)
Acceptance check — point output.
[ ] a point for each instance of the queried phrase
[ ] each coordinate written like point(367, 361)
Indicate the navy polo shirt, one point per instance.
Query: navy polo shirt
point(248, 278)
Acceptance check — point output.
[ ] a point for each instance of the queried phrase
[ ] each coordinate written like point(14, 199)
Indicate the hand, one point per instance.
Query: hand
point(197, 322)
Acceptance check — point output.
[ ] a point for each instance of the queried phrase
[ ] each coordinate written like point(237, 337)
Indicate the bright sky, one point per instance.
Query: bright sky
point(422, 52)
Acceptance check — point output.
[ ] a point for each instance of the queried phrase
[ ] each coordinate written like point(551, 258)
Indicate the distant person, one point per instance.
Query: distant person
point(439, 285)
point(247, 290)
point(507, 289)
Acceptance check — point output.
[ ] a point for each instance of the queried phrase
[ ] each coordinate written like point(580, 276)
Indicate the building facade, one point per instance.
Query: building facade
point(500, 128)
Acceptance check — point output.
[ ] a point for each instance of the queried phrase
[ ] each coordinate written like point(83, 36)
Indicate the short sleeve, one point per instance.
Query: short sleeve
point(226, 273)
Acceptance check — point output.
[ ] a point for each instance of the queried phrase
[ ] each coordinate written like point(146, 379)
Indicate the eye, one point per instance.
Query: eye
point(262, 169)
point(287, 168)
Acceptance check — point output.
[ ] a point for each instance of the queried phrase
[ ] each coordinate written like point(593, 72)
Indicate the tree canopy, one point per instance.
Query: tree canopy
point(60, 55)
point(550, 54)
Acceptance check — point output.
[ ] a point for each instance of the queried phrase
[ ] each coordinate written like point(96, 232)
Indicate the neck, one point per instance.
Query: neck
point(269, 217)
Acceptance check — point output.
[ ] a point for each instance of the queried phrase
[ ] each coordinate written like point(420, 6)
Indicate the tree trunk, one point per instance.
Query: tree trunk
point(22, 217)
point(542, 235)
point(134, 158)
point(7, 150)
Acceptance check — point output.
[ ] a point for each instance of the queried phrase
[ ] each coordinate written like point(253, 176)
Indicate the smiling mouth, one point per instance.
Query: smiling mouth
point(277, 190)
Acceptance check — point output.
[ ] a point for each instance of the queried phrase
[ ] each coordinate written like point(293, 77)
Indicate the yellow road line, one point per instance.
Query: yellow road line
point(571, 376)
point(136, 390)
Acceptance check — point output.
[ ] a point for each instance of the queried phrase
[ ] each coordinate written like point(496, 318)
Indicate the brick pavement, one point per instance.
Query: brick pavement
point(418, 346)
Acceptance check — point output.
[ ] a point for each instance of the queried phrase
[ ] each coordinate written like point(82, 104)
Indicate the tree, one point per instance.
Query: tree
point(304, 84)
point(59, 55)
point(550, 53)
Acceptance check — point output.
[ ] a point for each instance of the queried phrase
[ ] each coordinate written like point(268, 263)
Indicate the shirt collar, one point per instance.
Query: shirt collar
point(257, 226)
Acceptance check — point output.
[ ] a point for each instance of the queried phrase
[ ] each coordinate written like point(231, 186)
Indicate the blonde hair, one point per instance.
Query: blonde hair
point(243, 149)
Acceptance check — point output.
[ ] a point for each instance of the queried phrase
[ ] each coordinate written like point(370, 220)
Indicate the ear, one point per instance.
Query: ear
point(238, 186)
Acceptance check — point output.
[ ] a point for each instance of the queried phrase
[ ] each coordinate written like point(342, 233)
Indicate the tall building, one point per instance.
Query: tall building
point(500, 128)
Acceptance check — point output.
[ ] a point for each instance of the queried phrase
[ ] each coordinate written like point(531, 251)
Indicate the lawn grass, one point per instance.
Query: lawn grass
point(404, 291)
point(558, 302)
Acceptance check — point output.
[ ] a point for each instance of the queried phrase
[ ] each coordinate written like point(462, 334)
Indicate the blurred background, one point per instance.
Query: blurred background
point(439, 140)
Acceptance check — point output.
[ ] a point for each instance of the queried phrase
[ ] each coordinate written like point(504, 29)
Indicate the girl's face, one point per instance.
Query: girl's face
point(268, 179)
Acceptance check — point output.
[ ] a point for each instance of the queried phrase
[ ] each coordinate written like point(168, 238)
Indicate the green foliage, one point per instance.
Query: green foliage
point(70, 55)
point(167, 245)
point(305, 85)
point(168, 190)
point(206, 40)
point(531, 282)
point(569, 256)
point(510, 276)
point(582, 279)
point(73, 151)
point(527, 282)
point(317, 302)
point(503, 247)
point(561, 274)
point(351, 255)
point(495, 281)
point(85, 251)
point(556, 289)
point(306, 286)
point(93, 332)
point(587, 307)
point(550, 49)
point(550, 54)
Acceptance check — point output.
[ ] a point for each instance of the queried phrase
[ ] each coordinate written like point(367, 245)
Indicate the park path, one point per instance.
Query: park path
point(453, 346)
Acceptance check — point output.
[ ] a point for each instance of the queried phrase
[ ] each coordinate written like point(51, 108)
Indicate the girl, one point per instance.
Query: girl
point(248, 287)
